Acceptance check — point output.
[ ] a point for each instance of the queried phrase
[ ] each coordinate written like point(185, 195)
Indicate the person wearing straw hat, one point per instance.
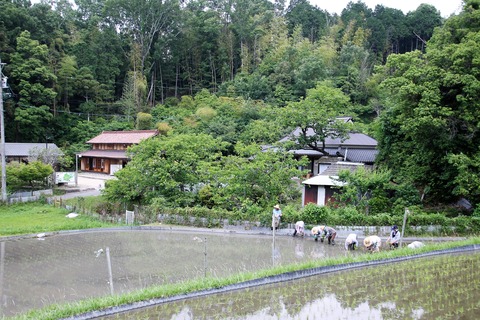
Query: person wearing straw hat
point(276, 215)
point(351, 242)
point(394, 238)
point(317, 232)
point(323, 232)
point(372, 243)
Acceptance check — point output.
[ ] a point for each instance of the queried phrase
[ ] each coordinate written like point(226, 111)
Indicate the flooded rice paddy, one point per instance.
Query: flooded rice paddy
point(37, 272)
point(439, 287)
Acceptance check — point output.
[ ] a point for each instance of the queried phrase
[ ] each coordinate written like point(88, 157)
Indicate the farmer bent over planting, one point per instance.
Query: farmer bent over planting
point(299, 228)
point(323, 232)
point(372, 243)
point(351, 242)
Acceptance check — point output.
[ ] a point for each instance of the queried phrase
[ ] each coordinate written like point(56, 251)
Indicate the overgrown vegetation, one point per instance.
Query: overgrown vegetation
point(221, 85)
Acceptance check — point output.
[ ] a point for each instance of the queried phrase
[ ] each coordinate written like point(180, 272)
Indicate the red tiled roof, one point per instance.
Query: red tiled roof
point(123, 137)
point(110, 154)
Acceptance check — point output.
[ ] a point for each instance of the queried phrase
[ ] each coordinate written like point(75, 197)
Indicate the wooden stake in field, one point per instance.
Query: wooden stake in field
point(404, 223)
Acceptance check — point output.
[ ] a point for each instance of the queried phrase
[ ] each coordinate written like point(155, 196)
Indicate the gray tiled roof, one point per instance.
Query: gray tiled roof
point(354, 139)
point(352, 154)
point(13, 149)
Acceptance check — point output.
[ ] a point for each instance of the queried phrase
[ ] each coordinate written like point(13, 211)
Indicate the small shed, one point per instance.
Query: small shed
point(321, 189)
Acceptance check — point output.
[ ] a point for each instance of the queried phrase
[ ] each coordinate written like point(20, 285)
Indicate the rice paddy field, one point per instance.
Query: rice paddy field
point(440, 287)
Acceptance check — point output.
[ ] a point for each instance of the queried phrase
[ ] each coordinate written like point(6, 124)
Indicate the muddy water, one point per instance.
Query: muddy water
point(69, 267)
point(442, 287)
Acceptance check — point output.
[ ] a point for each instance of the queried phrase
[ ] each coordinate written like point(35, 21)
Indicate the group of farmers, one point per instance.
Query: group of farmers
point(371, 243)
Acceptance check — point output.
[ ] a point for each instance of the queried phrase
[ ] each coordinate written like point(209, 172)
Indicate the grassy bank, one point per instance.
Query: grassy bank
point(72, 309)
point(35, 217)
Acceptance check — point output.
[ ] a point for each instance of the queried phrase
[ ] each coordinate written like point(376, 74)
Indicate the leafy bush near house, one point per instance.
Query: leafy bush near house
point(291, 214)
point(351, 216)
point(313, 214)
point(425, 219)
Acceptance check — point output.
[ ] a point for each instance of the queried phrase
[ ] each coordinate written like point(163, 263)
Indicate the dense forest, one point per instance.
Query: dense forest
point(220, 78)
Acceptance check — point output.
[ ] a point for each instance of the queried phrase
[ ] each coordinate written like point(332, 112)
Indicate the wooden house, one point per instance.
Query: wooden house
point(355, 150)
point(108, 153)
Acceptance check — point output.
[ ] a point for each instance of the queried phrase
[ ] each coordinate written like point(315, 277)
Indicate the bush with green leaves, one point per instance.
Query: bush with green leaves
point(313, 214)
point(351, 216)
point(32, 175)
point(291, 214)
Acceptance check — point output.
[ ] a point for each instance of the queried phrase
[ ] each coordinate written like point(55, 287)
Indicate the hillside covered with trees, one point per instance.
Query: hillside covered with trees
point(218, 79)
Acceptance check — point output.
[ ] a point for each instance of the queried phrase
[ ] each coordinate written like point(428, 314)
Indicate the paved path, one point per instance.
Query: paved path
point(80, 193)
point(89, 184)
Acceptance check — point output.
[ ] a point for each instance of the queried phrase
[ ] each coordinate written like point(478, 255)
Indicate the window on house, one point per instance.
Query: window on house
point(322, 167)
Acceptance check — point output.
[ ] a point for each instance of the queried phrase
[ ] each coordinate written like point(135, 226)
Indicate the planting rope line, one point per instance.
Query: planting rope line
point(288, 276)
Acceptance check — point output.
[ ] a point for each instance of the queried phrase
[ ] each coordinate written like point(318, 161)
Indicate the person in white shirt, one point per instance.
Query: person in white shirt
point(394, 238)
point(351, 243)
point(299, 228)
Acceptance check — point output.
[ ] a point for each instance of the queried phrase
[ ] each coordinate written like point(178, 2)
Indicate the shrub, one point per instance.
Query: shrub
point(424, 219)
point(385, 219)
point(291, 214)
point(351, 217)
point(378, 204)
point(313, 214)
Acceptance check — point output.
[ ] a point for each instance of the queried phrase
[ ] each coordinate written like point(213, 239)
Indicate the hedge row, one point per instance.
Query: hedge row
point(418, 221)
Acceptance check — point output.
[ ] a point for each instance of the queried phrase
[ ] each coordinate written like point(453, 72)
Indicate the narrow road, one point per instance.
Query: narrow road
point(81, 193)
point(89, 184)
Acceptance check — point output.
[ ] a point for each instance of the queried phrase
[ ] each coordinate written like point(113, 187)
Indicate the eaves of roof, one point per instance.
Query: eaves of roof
point(109, 154)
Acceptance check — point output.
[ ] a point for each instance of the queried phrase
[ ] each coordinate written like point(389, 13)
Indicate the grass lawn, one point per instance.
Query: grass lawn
point(35, 217)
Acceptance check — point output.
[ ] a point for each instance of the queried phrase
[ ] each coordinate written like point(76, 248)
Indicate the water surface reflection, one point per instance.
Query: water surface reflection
point(442, 287)
point(73, 266)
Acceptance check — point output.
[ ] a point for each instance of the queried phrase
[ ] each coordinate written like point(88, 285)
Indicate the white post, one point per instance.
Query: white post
point(273, 225)
point(2, 267)
point(273, 240)
point(109, 265)
point(2, 151)
point(205, 258)
point(403, 226)
point(76, 170)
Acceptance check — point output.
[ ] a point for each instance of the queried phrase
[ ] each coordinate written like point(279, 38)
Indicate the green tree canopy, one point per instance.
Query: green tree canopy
point(167, 167)
point(316, 116)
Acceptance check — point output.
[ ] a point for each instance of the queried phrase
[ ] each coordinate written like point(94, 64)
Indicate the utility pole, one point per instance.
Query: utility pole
point(2, 142)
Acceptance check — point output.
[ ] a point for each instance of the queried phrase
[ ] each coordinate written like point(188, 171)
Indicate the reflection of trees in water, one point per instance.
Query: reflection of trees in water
point(445, 286)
